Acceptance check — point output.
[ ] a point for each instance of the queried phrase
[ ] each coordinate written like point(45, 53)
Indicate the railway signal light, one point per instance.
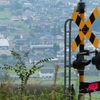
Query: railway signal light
point(80, 62)
point(96, 60)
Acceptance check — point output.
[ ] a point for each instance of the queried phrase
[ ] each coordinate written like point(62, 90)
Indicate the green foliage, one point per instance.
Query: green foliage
point(15, 5)
point(8, 92)
point(21, 69)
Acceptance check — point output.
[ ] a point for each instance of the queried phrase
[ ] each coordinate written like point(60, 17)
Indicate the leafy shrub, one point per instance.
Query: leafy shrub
point(22, 70)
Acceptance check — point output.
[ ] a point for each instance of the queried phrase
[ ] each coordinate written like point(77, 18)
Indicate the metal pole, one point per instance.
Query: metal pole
point(81, 10)
point(70, 58)
point(70, 53)
point(68, 20)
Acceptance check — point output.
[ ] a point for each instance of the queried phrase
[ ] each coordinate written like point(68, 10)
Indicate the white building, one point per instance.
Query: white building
point(46, 74)
point(4, 44)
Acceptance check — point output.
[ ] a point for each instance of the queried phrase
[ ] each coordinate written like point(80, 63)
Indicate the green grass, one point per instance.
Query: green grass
point(92, 78)
point(5, 14)
point(20, 24)
point(95, 96)
point(60, 80)
point(4, 21)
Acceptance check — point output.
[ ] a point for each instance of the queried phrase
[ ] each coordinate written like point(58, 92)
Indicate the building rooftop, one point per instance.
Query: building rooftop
point(4, 42)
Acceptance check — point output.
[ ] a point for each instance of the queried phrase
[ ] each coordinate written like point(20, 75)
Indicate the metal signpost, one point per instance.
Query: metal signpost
point(81, 62)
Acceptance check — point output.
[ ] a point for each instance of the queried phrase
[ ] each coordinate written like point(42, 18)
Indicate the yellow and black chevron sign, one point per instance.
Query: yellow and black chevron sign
point(85, 29)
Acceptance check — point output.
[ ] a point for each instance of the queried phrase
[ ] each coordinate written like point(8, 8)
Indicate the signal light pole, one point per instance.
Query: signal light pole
point(84, 30)
point(81, 10)
point(81, 7)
